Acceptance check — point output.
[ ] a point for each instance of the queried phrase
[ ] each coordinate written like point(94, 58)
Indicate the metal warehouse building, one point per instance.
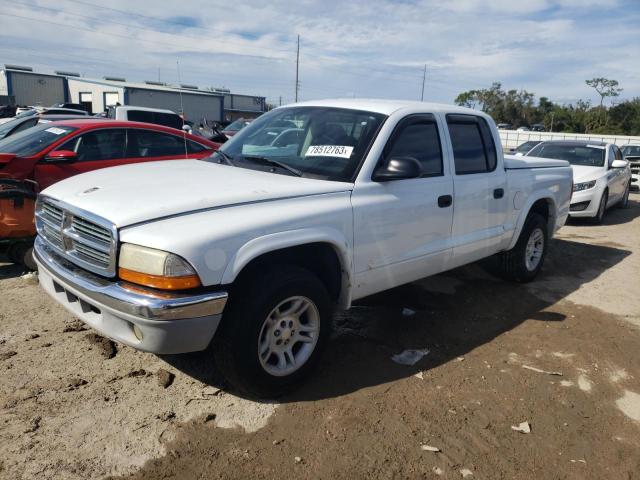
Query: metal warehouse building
point(25, 87)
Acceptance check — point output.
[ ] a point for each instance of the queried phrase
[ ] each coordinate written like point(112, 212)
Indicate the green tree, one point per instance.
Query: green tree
point(604, 87)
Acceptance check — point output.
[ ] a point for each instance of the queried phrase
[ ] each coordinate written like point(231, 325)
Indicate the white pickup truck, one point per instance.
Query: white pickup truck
point(310, 207)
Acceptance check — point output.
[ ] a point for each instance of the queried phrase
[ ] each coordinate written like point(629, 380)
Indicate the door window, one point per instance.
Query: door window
point(418, 137)
point(107, 144)
point(149, 143)
point(473, 148)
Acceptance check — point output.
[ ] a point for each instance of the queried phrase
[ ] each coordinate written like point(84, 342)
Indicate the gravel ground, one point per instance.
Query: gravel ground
point(560, 354)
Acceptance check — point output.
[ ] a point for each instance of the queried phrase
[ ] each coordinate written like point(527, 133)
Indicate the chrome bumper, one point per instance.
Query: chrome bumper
point(159, 322)
point(130, 300)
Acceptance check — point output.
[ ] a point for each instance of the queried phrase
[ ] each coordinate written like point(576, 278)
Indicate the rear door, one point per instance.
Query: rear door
point(480, 200)
point(402, 228)
point(149, 145)
point(95, 149)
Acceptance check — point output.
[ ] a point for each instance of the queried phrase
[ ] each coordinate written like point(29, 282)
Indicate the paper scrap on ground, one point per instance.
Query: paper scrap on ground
point(524, 427)
point(410, 357)
point(539, 370)
point(429, 448)
point(465, 472)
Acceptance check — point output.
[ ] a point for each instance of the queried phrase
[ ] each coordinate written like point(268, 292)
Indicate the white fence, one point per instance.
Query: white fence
point(512, 138)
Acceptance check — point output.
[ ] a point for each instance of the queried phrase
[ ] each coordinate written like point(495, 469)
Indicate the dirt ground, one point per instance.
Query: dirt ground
point(561, 354)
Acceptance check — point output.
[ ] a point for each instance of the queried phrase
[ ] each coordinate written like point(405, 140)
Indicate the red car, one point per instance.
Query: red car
point(49, 153)
point(40, 156)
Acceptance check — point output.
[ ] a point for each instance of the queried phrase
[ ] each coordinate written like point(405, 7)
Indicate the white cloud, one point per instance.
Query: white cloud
point(367, 48)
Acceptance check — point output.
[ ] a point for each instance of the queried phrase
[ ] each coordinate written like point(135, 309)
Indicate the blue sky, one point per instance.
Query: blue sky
point(365, 48)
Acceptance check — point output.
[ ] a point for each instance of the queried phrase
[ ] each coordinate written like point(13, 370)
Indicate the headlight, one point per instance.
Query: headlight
point(155, 268)
point(578, 187)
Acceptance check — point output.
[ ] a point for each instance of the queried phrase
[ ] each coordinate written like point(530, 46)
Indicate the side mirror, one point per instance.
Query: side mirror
point(61, 156)
point(398, 168)
point(619, 164)
point(186, 127)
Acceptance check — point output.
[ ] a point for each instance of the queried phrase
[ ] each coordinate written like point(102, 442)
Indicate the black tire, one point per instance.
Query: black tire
point(235, 345)
point(512, 265)
point(21, 253)
point(624, 203)
point(602, 208)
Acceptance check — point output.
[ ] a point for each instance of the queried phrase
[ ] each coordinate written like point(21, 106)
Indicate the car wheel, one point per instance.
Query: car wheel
point(523, 262)
point(602, 207)
point(624, 203)
point(273, 331)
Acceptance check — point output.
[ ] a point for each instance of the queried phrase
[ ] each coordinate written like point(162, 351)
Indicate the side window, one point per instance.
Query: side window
point(418, 138)
point(167, 119)
point(107, 144)
point(473, 148)
point(195, 147)
point(140, 116)
point(149, 143)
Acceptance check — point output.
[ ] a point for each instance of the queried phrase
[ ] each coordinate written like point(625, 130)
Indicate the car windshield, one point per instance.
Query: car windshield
point(585, 155)
point(5, 128)
point(33, 140)
point(526, 146)
point(237, 125)
point(631, 150)
point(318, 142)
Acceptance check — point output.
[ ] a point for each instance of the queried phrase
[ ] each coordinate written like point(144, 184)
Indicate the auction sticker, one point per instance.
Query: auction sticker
point(56, 131)
point(341, 151)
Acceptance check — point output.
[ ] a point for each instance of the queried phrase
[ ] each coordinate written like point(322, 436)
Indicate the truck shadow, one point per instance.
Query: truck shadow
point(449, 314)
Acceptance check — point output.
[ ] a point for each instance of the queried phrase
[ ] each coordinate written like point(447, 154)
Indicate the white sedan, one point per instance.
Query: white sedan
point(601, 178)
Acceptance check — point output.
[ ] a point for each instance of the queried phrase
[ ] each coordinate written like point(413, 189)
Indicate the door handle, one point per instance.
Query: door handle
point(445, 201)
point(498, 193)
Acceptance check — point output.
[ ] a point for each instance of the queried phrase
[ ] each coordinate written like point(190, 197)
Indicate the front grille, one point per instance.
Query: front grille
point(85, 239)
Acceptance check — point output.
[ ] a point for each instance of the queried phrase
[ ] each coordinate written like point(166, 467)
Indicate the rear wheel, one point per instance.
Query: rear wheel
point(273, 331)
point(523, 262)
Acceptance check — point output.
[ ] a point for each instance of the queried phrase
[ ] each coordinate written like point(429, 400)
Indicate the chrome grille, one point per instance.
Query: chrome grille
point(85, 239)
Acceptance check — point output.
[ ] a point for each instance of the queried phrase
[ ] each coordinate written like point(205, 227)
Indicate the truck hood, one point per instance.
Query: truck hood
point(582, 173)
point(142, 192)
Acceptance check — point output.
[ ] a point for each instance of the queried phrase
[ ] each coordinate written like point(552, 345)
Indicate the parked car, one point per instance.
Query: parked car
point(631, 153)
point(523, 129)
point(74, 106)
point(21, 114)
point(49, 152)
point(505, 126)
point(156, 116)
point(537, 127)
point(523, 148)
point(19, 124)
point(253, 248)
point(601, 176)
point(63, 111)
point(234, 127)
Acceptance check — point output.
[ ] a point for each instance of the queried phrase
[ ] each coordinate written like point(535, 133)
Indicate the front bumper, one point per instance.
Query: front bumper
point(578, 199)
point(164, 322)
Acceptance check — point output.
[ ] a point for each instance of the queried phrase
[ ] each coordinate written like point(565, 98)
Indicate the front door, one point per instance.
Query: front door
point(402, 228)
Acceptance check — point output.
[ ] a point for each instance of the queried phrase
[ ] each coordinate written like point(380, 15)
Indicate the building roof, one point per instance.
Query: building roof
point(145, 86)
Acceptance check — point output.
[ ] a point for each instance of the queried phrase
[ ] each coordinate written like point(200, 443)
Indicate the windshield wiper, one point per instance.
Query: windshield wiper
point(226, 157)
point(274, 163)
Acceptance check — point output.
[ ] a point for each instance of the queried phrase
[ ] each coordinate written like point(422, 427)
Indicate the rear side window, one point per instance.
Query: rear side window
point(417, 137)
point(473, 148)
point(148, 143)
point(168, 120)
point(195, 147)
point(140, 116)
point(107, 144)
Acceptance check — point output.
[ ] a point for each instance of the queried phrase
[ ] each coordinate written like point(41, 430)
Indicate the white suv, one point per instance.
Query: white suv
point(158, 116)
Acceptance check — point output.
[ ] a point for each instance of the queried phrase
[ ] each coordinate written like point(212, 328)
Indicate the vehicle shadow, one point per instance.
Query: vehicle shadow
point(9, 270)
point(449, 314)
point(613, 216)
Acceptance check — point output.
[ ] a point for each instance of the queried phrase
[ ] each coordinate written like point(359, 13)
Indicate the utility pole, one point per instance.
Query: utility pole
point(280, 101)
point(297, 67)
point(424, 77)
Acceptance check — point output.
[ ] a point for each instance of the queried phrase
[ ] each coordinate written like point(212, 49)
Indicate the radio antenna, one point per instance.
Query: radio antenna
point(184, 133)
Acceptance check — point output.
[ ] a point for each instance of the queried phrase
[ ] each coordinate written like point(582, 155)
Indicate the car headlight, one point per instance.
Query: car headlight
point(578, 187)
point(155, 268)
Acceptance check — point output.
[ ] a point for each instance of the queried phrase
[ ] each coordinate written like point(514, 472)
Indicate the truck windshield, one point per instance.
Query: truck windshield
point(34, 140)
point(585, 155)
point(319, 142)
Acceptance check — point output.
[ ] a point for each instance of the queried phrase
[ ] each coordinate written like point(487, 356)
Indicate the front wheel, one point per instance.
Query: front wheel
point(273, 331)
point(523, 262)
point(602, 207)
point(624, 203)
